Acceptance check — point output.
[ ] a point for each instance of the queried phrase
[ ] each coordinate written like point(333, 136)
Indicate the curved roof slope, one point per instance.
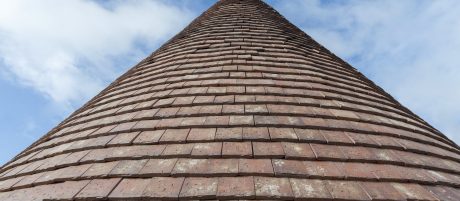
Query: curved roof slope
point(239, 105)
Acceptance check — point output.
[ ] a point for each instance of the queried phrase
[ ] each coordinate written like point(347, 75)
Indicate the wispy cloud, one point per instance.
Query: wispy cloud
point(69, 50)
point(410, 48)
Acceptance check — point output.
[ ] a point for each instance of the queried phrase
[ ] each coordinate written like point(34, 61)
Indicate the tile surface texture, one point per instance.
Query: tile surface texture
point(239, 105)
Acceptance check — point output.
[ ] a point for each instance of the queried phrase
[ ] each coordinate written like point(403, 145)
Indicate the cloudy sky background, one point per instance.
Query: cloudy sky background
point(56, 55)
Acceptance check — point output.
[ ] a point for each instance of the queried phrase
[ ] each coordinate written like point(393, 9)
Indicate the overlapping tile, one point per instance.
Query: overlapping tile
point(240, 105)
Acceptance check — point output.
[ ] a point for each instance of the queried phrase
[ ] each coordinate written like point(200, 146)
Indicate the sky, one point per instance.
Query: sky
point(56, 55)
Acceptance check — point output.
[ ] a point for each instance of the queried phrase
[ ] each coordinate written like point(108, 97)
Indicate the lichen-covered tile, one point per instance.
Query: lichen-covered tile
point(282, 134)
point(199, 188)
point(336, 137)
point(128, 167)
point(241, 120)
point(178, 150)
point(123, 139)
point(237, 149)
point(164, 188)
point(444, 192)
point(347, 190)
point(298, 150)
point(97, 189)
point(207, 150)
point(328, 152)
point(235, 188)
point(268, 150)
point(201, 134)
point(309, 189)
point(381, 191)
point(273, 188)
point(256, 133)
point(149, 137)
point(255, 167)
point(174, 135)
point(205, 167)
point(229, 134)
point(413, 191)
point(100, 169)
point(129, 189)
point(158, 167)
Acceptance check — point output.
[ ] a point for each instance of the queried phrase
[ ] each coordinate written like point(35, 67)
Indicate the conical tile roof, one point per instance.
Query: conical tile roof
point(239, 105)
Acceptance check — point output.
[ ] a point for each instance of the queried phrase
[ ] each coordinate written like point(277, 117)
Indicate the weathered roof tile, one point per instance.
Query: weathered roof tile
point(199, 188)
point(273, 188)
point(98, 188)
point(240, 105)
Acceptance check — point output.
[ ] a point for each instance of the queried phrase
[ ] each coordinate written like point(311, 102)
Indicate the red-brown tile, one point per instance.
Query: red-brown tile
point(328, 152)
point(164, 188)
point(128, 167)
point(444, 193)
point(282, 134)
point(233, 109)
point(129, 189)
point(336, 137)
point(354, 171)
point(158, 167)
point(347, 190)
point(235, 188)
point(149, 137)
point(100, 169)
point(229, 134)
point(66, 190)
point(201, 134)
point(324, 169)
point(207, 150)
point(268, 149)
point(381, 191)
point(199, 188)
point(413, 191)
point(241, 120)
point(175, 135)
point(205, 167)
point(256, 167)
point(273, 188)
point(256, 134)
point(309, 189)
point(255, 109)
point(310, 135)
point(178, 150)
point(298, 150)
point(123, 139)
point(290, 168)
point(237, 149)
point(97, 189)
point(216, 121)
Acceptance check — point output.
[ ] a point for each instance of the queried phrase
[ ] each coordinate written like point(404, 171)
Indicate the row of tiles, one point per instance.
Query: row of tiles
point(233, 167)
point(234, 87)
point(303, 151)
point(240, 95)
point(238, 134)
point(231, 78)
point(205, 120)
point(239, 91)
point(224, 188)
point(208, 105)
point(244, 71)
point(199, 59)
point(99, 138)
point(226, 79)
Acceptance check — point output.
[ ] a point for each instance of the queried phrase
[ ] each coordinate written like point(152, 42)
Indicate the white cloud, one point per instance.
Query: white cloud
point(69, 50)
point(410, 48)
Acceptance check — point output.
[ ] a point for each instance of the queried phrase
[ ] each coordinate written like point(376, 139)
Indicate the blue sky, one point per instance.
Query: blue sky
point(55, 55)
